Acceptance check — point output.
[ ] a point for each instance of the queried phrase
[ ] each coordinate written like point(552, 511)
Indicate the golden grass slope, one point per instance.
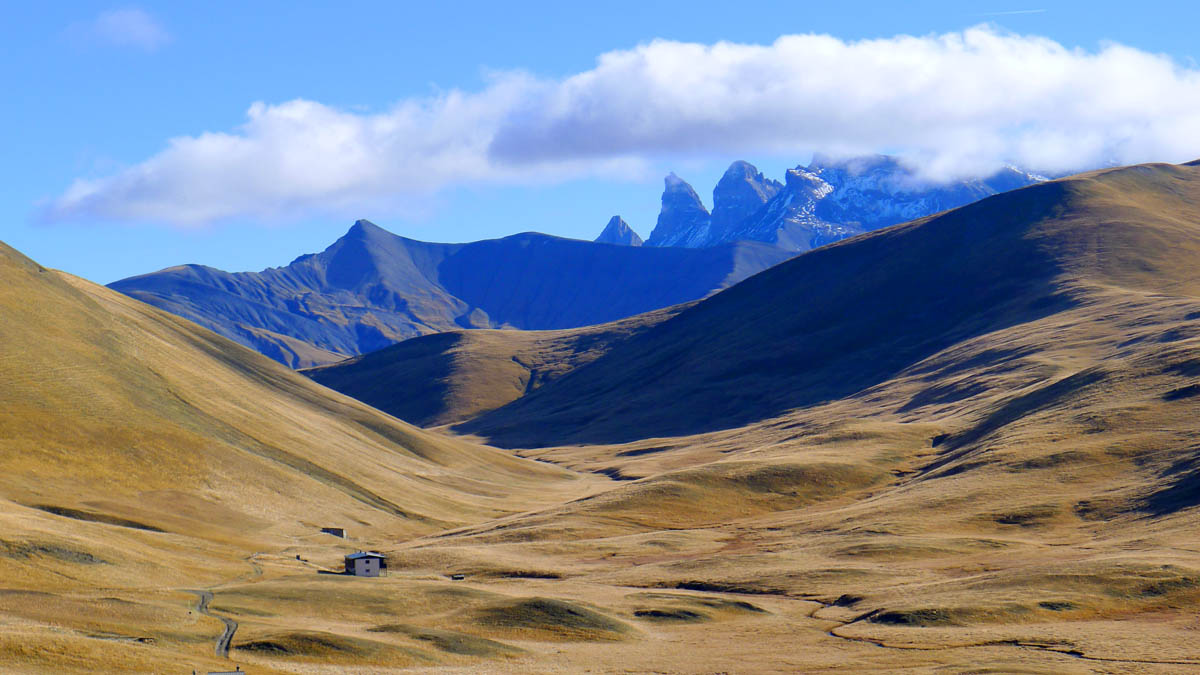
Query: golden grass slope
point(102, 390)
point(1023, 496)
point(450, 377)
point(1027, 501)
point(141, 456)
point(1005, 479)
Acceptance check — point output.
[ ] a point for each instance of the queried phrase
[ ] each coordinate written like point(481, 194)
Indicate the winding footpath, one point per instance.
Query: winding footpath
point(231, 626)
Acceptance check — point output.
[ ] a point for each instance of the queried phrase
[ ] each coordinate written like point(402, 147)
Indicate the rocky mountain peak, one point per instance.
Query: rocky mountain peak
point(684, 220)
point(674, 182)
point(742, 171)
point(363, 228)
point(618, 232)
point(830, 199)
point(805, 179)
point(741, 192)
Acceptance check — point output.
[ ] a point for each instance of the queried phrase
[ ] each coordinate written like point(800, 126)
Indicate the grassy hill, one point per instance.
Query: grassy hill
point(450, 377)
point(142, 455)
point(851, 316)
point(967, 443)
point(979, 453)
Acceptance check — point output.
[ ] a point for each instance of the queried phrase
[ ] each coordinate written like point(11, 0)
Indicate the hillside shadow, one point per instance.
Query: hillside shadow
point(1182, 492)
point(426, 363)
point(820, 327)
point(538, 281)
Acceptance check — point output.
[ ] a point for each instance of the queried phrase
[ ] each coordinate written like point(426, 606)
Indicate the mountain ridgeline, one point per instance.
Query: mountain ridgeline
point(1079, 251)
point(826, 201)
point(372, 288)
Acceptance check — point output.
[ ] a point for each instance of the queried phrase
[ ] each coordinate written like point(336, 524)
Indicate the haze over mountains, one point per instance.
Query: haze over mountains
point(372, 288)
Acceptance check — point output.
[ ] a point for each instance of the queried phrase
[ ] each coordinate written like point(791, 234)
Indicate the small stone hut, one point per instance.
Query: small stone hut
point(366, 564)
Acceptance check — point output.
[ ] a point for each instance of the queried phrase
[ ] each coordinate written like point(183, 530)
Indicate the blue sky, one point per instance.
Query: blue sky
point(96, 90)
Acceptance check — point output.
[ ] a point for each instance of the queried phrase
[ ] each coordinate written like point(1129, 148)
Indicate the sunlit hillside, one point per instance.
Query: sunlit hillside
point(973, 448)
point(143, 456)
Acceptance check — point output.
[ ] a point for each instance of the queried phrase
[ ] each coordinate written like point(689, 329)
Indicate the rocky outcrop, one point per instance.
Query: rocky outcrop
point(618, 232)
point(740, 193)
point(790, 220)
point(683, 220)
point(826, 201)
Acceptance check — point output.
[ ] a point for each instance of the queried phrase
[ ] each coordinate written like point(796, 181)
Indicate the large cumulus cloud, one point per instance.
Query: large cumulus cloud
point(957, 104)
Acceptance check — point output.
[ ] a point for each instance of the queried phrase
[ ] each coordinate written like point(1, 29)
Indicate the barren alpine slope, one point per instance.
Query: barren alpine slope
point(144, 458)
point(977, 455)
point(999, 473)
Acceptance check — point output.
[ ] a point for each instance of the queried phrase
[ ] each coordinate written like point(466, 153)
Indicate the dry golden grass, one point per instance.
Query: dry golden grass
point(142, 457)
point(450, 377)
point(1022, 498)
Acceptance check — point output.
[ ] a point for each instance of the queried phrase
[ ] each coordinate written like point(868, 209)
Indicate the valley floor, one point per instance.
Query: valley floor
point(1019, 493)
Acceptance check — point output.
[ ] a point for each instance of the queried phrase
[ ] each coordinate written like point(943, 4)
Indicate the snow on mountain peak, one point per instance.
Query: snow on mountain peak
point(830, 199)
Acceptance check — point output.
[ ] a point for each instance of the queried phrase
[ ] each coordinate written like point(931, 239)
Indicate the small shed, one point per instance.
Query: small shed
point(335, 531)
point(366, 564)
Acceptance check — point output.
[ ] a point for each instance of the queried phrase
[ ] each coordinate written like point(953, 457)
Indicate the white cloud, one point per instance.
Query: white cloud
point(126, 27)
point(960, 103)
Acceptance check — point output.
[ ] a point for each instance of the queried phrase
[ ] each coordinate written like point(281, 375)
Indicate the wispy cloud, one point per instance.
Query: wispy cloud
point(961, 103)
point(125, 27)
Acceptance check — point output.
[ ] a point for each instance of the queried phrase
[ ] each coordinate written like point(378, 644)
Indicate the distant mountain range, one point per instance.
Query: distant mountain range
point(976, 428)
point(372, 288)
point(819, 204)
point(909, 305)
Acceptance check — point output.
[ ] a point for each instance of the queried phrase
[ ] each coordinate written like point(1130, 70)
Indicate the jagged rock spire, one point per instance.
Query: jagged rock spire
point(618, 232)
point(683, 220)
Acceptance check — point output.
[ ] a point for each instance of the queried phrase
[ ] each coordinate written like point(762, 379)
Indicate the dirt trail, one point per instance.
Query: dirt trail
point(231, 626)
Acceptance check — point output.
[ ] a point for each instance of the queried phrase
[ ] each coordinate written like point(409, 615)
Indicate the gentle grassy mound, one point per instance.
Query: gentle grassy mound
point(23, 550)
point(449, 641)
point(548, 618)
point(710, 493)
point(715, 604)
point(671, 615)
point(309, 645)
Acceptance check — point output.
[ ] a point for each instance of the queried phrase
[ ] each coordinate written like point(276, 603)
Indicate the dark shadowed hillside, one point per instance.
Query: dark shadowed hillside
point(453, 376)
point(372, 288)
point(845, 317)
